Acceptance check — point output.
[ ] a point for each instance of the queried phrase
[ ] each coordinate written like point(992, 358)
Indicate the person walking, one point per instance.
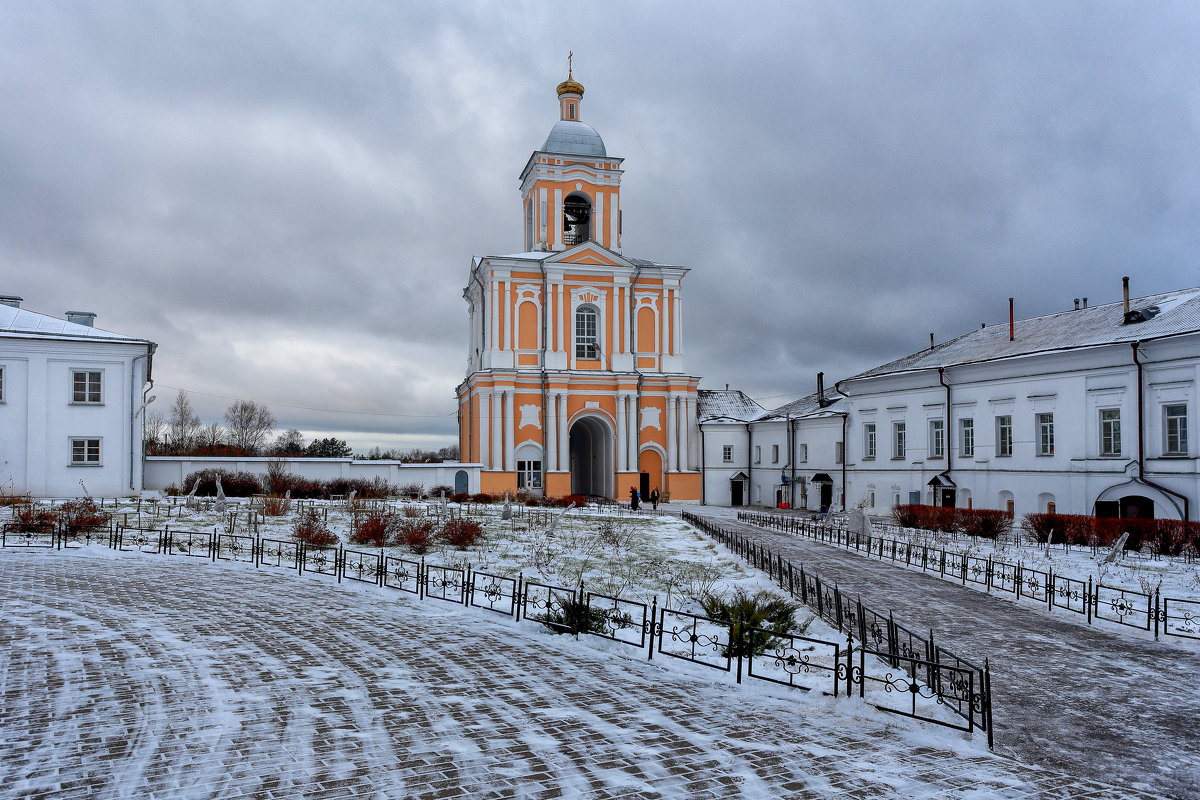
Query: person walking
point(654, 498)
point(633, 498)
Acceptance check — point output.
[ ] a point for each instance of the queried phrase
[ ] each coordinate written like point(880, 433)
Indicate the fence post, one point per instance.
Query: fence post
point(653, 625)
point(520, 595)
point(820, 601)
point(837, 600)
point(1157, 608)
point(862, 624)
point(467, 587)
point(1088, 600)
point(986, 688)
point(339, 562)
point(803, 586)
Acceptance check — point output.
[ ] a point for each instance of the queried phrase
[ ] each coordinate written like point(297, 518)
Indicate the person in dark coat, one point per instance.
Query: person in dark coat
point(633, 497)
point(654, 498)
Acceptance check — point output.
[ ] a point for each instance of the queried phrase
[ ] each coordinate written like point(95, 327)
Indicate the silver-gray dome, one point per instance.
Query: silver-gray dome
point(572, 137)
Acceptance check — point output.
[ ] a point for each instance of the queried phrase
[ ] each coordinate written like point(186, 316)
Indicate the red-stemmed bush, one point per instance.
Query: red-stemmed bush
point(33, 519)
point(482, 497)
point(461, 533)
point(79, 514)
point(415, 533)
point(372, 527)
point(310, 529)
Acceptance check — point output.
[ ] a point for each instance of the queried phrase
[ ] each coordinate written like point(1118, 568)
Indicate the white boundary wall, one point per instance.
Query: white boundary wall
point(161, 471)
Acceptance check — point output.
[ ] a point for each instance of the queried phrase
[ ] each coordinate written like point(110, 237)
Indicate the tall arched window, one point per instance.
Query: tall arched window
point(586, 326)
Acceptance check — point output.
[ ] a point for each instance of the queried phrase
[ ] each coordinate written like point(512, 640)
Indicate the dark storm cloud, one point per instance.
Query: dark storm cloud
point(287, 196)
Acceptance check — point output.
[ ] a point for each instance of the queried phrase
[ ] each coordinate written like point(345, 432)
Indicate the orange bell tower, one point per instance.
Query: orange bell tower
point(575, 372)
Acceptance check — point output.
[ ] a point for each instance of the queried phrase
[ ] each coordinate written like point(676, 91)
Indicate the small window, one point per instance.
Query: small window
point(758, 454)
point(1110, 431)
point(899, 444)
point(1175, 425)
point(1004, 435)
point(774, 454)
point(85, 386)
point(802, 454)
point(1, 384)
point(529, 474)
point(966, 430)
point(85, 452)
point(1045, 427)
point(869, 440)
point(838, 452)
point(937, 439)
point(1051, 507)
point(586, 344)
point(727, 453)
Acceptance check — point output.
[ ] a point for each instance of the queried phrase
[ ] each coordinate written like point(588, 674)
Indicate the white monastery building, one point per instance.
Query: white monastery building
point(71, 405)
point(1087, 411)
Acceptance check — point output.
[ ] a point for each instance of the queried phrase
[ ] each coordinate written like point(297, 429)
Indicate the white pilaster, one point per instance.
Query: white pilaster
point(672, 460)
point(510, 446)
point(621, 436)
point(550, 426)
point(564, 458)
point(497, 431)
point(597, 227)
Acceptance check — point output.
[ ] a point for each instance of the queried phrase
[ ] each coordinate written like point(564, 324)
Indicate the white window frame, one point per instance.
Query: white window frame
point(869, 441)
point(839, 452)
point(587, 345)
point(1175, 428)
point(1004, 436)
point(529, 474)
point(1110, 432)
point(1, 383)
point(937, 439)
point(82, 451)
point(727, 453)
point(774, 454)
point(899, 440)
point(91, 395)
point(758, 454)
point(966, 437)
point(1045, 433)
point(802, 454)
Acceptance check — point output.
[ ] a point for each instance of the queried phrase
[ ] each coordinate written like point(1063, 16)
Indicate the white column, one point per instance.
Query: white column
point(636, 415)
point(550, 426)
point(664, 325)
point(614, 241)
point(556, 212)
point(622, 438)
point(510, 415)
point(678, 324)
point(497, 430)
point(564, 458)
point(598, 219)
point(556, 313)
point(507, 342)
point(492, 317)
point(672, 464)
point(685, 429)
point(622, 345)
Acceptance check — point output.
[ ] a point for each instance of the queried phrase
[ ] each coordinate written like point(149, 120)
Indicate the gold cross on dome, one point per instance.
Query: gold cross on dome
point(570, 66)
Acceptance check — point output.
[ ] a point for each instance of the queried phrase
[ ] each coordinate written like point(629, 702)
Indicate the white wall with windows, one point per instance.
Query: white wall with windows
point(70, 407)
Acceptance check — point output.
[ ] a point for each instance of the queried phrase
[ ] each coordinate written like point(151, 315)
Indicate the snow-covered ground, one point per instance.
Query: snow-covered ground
point(142, 675)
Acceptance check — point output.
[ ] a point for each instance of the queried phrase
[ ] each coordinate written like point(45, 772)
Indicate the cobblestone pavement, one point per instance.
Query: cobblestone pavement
point(1097, 702)
point(147, 676)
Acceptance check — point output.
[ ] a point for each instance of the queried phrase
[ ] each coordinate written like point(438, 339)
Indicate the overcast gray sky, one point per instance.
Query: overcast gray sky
point(286, 196)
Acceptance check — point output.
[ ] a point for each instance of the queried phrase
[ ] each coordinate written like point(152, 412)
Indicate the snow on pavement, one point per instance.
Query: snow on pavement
point(149, 676)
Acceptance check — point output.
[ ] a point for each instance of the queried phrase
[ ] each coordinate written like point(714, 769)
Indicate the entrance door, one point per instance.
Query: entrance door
point(947, 497)
point(644, 486)
point(1136, 505)
point(590, 447)
point(735, 493)
point(826, 496)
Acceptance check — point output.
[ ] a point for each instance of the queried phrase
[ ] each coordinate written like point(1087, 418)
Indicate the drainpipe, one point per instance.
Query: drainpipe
point(637, 410)
point(791, 427)
point(148, 386)
point(1141, 437)
point(749, 465)
point(703, 467)
point(949, 427)
point(545, 391)
point(845, 419)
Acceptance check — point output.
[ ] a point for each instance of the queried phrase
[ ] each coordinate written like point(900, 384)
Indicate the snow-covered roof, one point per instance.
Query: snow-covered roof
point(542, 255)
point(571, 137)
point(1178, 313)
point(729, 404)
point(804, 407)
point(22, 322)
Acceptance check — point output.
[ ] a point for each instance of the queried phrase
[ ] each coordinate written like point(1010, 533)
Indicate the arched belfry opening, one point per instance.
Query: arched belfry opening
point(577, 219)
point(590, 447)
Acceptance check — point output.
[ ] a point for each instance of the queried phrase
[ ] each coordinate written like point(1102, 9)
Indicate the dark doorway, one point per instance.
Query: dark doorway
point(1136, 505)
point(590, 448)
point(826, 496)
point(644, 486)
point(735, 493)
point(460, 482)
point(948, 498)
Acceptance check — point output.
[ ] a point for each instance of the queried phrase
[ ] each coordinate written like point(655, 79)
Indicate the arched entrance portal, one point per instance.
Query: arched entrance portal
point(590, 446)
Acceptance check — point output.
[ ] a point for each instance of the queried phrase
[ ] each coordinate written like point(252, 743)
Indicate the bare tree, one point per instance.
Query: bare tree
point(183, 425)
point(211, 437)
point(289, 443)
point(249, 424)
point(154, 432)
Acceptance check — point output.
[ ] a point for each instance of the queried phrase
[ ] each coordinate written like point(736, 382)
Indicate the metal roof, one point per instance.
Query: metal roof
point(1178, 313)
point(728, 404)
point(572, 137)
point(22, 322)
point(804, 407)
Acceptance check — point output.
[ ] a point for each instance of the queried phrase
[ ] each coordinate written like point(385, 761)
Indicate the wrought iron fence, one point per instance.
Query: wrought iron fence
point(1088, 598)
point(786, 659)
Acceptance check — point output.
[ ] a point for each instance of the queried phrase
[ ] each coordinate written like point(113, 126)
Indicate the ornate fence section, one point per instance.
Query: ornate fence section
point(1087, 598)
point(931, 676)
point(906, 674)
